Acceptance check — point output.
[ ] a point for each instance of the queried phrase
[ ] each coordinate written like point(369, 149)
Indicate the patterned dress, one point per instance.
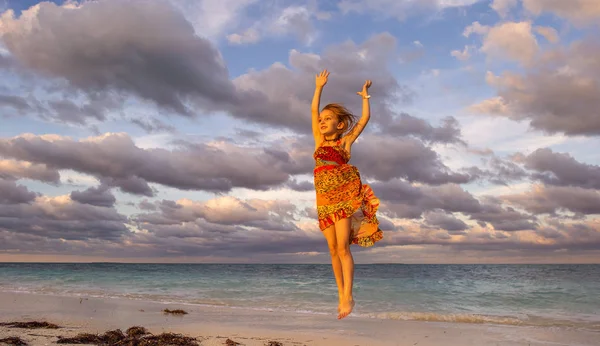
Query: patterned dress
point(341, 194)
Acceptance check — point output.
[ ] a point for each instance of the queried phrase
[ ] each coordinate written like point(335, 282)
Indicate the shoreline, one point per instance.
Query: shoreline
point(213, 325)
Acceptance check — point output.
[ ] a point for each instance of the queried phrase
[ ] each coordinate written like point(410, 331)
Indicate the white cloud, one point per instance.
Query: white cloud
point(476, 28)
point(463, 55)
point(292, 20)
point(580, 12)
point(549, 33)
point(503, 6)
point(510, 40)
point(250, 35)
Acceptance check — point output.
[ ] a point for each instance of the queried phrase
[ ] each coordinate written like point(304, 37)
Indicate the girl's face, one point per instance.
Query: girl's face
point(329, 124)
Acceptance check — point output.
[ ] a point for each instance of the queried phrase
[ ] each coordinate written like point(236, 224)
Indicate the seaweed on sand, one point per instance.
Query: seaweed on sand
point(134, 336)
point(175, 312)
point(30, 325)
point(13, 341)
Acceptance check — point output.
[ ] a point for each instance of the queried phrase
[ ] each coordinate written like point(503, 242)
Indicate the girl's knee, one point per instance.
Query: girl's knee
point(333, 251)
point(343, 250)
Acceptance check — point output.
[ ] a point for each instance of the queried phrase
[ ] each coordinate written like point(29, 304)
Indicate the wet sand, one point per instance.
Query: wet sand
point(214, 325)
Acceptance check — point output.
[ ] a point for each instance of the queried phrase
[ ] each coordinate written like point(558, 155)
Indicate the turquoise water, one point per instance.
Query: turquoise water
point(558, 295)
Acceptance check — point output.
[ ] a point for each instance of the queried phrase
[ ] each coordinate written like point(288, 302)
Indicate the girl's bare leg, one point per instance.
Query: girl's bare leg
point(342, 228)
point(336, 264)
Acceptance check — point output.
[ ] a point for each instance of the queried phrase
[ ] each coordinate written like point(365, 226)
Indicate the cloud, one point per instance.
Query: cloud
point(213, 18)
point(400, 9)
point(62, 218)
point(117, 161)
point(497, 170)
point(503, 7)
point(463, 55)
point(580, 12)
point(227, 211)
point(553, 199)
point(557, 94)
point(561, 169)
point(548, 32)
point(403, 157)
point(281, 94)
point(476, 28)
point(292, 20)
point(17, 103)
point(408, 125)
point(403, 200)
point(134, 58)
point(12, 169)
point(511, 41)
point(135, 55)
point(446, 222)
point(99, 196)
point(11, 193)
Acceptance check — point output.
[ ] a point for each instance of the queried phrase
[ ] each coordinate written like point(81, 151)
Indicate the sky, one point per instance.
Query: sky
point(179, 130)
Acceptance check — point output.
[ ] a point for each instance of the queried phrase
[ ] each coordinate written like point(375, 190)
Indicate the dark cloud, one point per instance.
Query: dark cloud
point(130, 184)
point(18, 103)
point(11, 193)
point(554, 99)
point(116, 160)
point(146, 205)
point(498, 171)
point(62, 218)
point(281, 96)
point(99, 196)
point(300, 186)
point(403, 200)
point(561, 169)
point(553, 199)
point(153, 125)
point(149, 51)
point(407, 125)
point(402, 157)
point(503, 218)
point(446, 221)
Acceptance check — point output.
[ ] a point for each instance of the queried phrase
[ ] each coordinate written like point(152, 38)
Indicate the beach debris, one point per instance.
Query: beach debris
point(82, 338)
point(136, 335)
point(13, 341)
point(230, 342)
point(136, 331)
point(30, 325)
point(274, 343)
point(175, 312)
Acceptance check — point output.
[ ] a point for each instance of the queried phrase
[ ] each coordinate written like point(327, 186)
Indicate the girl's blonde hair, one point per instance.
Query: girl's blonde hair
point(343, 115)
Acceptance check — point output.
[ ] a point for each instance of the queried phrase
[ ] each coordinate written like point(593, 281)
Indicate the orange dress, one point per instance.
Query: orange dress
point(341, 194)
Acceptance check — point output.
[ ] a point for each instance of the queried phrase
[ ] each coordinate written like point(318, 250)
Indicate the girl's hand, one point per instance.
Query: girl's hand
point(321, 78)
point(364, 93)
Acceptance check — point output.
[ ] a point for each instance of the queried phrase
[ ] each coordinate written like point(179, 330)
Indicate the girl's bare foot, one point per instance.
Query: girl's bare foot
point(346, 308)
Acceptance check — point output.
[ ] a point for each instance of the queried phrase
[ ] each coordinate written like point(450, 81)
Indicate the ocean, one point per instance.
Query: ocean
point(534, 295)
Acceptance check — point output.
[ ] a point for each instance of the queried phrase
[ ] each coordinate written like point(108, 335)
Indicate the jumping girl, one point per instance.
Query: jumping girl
point(346, 208)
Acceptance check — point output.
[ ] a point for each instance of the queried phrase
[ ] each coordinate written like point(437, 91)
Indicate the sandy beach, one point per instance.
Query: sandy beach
point(214, 325)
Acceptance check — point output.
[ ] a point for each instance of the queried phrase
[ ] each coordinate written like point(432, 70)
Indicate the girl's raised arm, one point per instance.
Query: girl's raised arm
point(366, 114)
point(320, 81)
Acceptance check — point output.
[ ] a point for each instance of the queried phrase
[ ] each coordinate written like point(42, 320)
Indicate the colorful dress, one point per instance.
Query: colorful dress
point(341, 194)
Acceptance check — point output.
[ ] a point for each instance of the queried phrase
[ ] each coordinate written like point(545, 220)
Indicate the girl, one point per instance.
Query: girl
point(346, 208)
